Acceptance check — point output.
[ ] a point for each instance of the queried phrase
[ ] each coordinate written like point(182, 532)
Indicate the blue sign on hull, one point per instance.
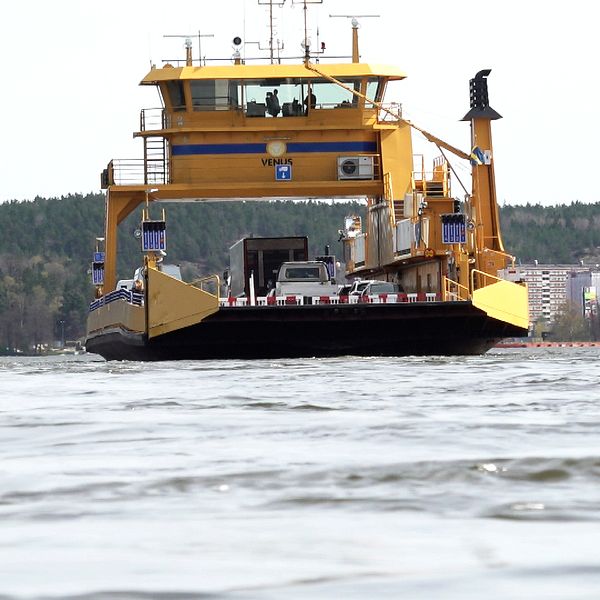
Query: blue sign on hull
point(283, 172)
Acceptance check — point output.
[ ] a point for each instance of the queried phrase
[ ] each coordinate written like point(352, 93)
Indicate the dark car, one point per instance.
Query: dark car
point(374, 288)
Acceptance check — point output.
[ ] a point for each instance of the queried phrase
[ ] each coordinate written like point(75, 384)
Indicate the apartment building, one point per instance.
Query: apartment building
point(551, 286)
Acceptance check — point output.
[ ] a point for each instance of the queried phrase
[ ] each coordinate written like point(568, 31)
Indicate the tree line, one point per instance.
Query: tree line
point(46, 247)
point(46, 250)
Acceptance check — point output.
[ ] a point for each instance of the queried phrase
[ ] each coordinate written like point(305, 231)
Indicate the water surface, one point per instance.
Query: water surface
point(421, 478)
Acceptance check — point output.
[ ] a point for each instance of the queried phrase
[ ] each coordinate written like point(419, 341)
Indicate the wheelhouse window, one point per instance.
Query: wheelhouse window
point(275, 97)
point(214, 94)
point(375, 90)
point(176, 95)
point(331, 95)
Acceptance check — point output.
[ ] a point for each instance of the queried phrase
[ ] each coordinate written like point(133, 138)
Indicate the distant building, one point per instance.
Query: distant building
point(551, 286)
point(583, 291)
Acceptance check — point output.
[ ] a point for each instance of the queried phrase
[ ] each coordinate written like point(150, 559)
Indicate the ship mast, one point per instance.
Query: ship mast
point(355, 26)
point(306, 41)
point(272, 3)
point(188, 45)
point(271, 30)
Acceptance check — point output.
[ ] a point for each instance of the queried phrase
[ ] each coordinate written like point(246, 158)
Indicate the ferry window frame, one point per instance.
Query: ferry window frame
point(177, 86)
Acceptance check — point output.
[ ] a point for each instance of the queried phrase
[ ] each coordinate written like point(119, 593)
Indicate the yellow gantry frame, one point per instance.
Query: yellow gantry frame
point(122, 200)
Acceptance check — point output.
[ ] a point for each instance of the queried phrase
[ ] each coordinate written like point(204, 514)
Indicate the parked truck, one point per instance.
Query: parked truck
point(260, 259)
point(305, 278)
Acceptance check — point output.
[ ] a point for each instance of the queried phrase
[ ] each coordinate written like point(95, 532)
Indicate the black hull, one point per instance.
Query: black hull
point(442, 328)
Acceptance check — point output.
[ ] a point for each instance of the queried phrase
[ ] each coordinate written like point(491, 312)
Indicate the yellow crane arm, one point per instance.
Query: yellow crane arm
point(429, 136)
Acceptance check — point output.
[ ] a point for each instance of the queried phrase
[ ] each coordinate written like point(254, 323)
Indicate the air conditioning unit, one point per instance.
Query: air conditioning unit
point(355, 167)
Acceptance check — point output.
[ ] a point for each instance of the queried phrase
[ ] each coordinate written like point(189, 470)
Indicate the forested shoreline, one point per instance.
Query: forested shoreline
point(46, 247)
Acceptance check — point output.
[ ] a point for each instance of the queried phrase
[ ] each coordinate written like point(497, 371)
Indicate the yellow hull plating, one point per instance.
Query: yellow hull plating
point(119, 314)
point(173, 304)
point(505, 301)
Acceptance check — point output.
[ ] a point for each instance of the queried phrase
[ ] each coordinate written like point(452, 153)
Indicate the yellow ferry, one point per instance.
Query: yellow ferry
point(306, 129)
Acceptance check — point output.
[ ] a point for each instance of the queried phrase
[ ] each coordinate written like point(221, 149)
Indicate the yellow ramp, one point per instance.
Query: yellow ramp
point(505, 301)
point(117, 314)
point(174, 304)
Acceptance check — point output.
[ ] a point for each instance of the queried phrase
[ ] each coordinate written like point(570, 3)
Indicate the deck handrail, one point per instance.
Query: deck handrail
point(485, 275)
point(505, 254)
point(199, 283)
point(454, 291)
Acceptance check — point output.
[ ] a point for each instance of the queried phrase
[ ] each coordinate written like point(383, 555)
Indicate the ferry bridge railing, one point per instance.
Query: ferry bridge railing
point(390, 112)
point(156, 119)
point(152, 119)
point(135, 171)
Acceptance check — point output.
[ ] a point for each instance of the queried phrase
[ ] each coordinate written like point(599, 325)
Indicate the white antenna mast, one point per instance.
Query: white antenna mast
point(306, 42)
point(355, 26)
point(189, 37)
point(270, 4)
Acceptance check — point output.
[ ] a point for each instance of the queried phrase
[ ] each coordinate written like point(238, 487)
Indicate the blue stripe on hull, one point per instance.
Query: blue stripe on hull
point(189, 149)
point(292, 148)
point(332, 147)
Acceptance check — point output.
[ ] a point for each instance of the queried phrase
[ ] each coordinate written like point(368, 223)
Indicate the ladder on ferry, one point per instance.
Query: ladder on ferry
point(156, 167)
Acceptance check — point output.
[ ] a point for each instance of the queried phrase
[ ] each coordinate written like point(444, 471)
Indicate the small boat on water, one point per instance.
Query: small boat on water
point(250, 130)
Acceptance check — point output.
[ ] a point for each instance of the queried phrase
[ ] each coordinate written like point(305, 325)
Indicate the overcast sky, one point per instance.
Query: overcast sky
point(70, 99)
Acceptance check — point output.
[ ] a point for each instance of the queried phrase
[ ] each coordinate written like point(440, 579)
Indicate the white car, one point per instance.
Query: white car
point(367, 287)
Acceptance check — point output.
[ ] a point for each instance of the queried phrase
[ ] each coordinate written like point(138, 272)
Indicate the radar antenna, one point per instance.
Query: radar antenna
point(355, 26)
point(188, 44)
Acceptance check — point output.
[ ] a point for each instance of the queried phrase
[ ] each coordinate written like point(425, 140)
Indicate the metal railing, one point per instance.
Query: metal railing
point(152, 119)
point(481, 279)
point(156, 119)
point(504, 254)
point(136, 171)
point(135, 298)
point(299, 300)
point(204, 61)
point(454, 291)
point(390, 112)
point(431, 183)
point(200, 282)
